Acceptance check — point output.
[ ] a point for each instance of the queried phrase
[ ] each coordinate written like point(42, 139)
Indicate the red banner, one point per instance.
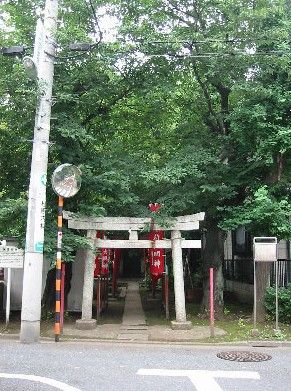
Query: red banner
point(102, 259)
point(156, 256)
point(105, 258)
point(97, 270)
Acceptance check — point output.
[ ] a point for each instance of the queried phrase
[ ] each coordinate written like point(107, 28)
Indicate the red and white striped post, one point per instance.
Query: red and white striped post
point(211, 301)
point(59, 269)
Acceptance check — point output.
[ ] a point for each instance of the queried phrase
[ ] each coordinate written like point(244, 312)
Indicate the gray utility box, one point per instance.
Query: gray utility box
point(265, 249)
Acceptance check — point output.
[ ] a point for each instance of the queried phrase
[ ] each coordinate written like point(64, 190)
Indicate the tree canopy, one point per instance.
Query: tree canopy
point(184, 103)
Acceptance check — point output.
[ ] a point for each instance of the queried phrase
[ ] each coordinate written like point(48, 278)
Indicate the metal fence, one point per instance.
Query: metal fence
point(242, 270)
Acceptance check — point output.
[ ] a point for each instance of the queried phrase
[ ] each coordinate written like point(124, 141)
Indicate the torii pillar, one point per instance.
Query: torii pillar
point(181, 322)
point(87, 322)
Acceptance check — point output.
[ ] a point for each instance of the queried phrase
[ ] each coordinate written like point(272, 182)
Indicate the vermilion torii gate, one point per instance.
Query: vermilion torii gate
point(133, 226)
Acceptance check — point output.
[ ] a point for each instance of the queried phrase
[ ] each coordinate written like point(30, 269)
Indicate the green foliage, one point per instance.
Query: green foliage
point(262, 213)
point(71, 242)
point(284, 303)
point(13, 216)
point(147, 123)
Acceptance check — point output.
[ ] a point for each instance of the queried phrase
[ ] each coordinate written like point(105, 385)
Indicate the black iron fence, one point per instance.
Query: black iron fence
point(242, 270)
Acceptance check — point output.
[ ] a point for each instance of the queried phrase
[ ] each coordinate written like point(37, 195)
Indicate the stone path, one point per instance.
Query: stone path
point(133, 327)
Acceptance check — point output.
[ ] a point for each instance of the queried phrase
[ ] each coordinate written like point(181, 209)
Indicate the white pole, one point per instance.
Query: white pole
point(33, 259)
point(8, 294)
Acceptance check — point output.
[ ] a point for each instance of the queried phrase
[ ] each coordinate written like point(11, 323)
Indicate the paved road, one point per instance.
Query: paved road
point(116, 367)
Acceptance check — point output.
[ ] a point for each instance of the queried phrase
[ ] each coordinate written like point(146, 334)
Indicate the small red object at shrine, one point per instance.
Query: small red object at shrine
point(154, 207)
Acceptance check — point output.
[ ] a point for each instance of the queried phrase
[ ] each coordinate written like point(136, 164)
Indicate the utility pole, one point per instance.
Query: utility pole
point(43, 60)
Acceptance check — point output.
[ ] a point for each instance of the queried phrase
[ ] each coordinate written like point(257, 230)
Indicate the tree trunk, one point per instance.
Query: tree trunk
point(262, 281)
point(48, 298)
point(212, 255)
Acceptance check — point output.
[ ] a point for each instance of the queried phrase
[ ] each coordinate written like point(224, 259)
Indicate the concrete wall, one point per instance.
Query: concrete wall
point(75, 295)
point(16, 285)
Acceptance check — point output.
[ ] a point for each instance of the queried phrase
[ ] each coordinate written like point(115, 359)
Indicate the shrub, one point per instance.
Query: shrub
point(284, 303)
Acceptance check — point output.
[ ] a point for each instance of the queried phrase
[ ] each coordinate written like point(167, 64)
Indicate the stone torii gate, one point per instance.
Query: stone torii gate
point(133, 226)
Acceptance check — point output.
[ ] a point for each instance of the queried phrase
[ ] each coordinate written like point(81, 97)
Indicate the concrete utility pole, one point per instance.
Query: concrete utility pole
point(44, 56)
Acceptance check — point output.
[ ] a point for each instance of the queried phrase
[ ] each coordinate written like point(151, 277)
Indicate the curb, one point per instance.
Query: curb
point(251, 343)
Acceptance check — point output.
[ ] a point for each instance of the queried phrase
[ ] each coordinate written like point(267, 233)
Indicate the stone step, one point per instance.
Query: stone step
point(133, 337)
point(134, 327)
point(143, 332)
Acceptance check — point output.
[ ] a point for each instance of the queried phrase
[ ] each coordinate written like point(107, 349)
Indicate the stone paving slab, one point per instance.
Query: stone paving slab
point(133, 326)
point(154, 333)
point(163, 333)
point(133, 312)
point(105, 331)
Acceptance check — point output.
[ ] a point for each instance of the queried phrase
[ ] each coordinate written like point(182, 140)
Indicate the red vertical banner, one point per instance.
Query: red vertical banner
point(102, 258)
point(97, 270)
point(156, 255)
point(105, 257)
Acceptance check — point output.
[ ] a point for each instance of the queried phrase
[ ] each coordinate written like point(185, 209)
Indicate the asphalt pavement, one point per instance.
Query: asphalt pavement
point(134, 356)
point(99, 366)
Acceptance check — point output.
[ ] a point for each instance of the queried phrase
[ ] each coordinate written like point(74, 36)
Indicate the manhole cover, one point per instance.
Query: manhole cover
point(244, 356)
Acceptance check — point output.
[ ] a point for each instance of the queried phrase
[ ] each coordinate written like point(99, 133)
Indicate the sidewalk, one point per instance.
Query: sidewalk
point(135, 328)
point(131, 326)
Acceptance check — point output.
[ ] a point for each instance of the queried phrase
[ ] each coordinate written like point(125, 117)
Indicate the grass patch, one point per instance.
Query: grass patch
point(153, 309)
point(237, 320)
point(238, 324)
point(113, 314)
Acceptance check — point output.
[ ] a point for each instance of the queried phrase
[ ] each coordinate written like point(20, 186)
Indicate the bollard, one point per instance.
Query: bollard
point(211, 301)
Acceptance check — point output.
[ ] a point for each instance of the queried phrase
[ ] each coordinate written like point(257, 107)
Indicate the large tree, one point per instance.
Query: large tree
point(188, 106)
point(236, 59)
